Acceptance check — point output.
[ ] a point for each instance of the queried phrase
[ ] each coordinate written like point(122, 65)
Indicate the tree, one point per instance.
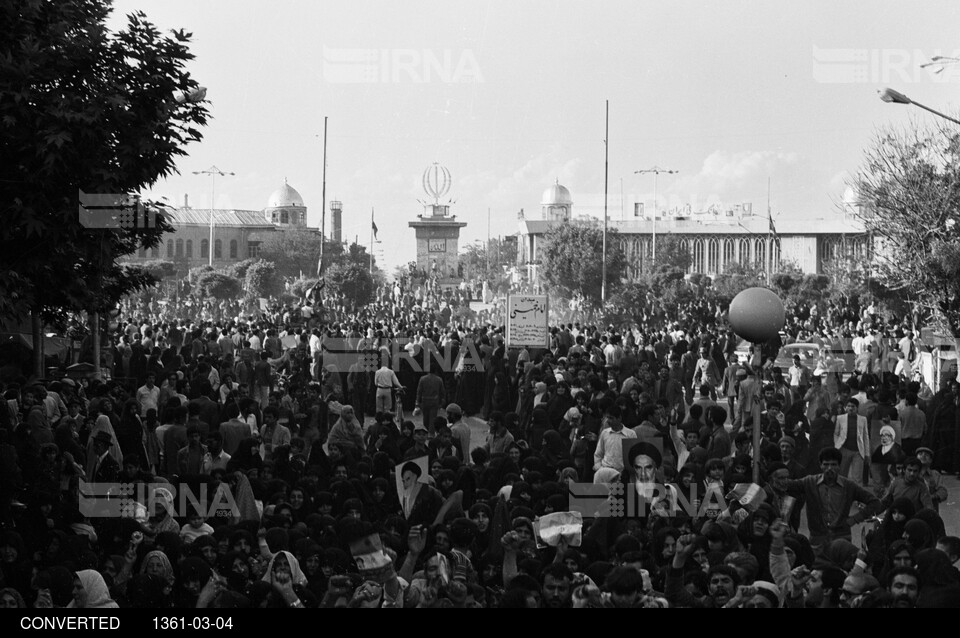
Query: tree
point(909, 201)
point(83, 109)
point(263, 281)
point(239, 269)
point(736, 278)
point(218, 285)
point(159, 268)
point(570, 262)
point(351, 281)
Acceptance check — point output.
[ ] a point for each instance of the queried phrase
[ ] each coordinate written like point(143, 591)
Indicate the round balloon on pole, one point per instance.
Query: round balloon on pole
point(757, 314)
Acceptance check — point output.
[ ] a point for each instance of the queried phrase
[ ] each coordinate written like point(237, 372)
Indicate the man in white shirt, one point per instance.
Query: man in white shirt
point(609, 454)
point(386, 380)
point(148, 395)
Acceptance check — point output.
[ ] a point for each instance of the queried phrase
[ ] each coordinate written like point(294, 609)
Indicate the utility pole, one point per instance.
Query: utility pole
point(606, 171)
point(656, 170)
point(213, 171)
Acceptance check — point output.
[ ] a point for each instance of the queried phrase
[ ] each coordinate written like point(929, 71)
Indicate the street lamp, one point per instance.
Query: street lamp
point(896, 97)
point(213, 171)
point(656, 170)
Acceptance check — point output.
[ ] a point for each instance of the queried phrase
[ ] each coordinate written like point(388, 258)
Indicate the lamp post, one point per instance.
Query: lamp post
point(896, 97)
point(656, 170)
point(213, 171)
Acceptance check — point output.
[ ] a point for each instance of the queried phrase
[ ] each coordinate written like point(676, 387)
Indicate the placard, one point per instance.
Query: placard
point(528, 321)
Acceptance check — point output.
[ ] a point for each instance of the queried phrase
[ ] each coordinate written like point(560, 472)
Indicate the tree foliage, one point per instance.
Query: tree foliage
point(909, 200)
point(159, 268)
point(571, 264)
point(262, 280)
point(218, 285)
point(239, 269)
point(351, 281)
point(83, 109)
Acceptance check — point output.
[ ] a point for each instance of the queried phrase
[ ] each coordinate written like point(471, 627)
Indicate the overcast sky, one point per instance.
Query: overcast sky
point(509, 96)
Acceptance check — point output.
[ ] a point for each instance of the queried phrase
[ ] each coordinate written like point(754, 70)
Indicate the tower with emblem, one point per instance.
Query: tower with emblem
point(437, 231)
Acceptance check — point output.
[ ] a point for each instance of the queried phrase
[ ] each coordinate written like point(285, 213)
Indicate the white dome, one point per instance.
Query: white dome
point(286, 195)
point(556, 194)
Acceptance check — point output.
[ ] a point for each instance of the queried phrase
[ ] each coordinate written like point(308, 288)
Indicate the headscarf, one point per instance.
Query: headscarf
point(98, 596)
point(10, 591)
point(838, 553)
point(246, 502)
point(297, 575)
point(918, 534)
point(933, 520)
point(893, 435)
point(168, 574)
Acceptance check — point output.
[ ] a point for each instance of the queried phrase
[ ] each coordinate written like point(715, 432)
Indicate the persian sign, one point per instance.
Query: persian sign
point(527, 321)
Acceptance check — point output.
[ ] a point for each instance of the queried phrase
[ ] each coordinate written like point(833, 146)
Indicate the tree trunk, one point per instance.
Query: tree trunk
point(95, 333)
point(36, 330)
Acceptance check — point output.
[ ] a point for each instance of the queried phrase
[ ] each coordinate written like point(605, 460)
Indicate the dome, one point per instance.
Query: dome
point(556, 194)
point(286, 195)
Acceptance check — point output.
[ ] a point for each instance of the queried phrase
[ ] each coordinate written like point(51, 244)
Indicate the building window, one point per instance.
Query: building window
point(744, 252)
point(155, 252)
point(189, 249)
point(713, 256)
point(169, 249)
point(179, 248)
point(253, 249)
point(205, 248)
point(143, 252)
point(233, 249)
point(273, 217)
point(760, 253)
point(218, 249)
point(775, 256)
point(729, 254)
point(685, 248)
point(284, 217)
point(698, 256)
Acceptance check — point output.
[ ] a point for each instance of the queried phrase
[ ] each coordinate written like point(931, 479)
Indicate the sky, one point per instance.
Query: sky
point(510, 97)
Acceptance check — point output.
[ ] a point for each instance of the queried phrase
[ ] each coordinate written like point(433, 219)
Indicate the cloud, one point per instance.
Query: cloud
point(733, 177)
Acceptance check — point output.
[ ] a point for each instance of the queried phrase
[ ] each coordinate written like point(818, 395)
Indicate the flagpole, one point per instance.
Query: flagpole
point(769, 233)
point(371, 240)
point(323, 200)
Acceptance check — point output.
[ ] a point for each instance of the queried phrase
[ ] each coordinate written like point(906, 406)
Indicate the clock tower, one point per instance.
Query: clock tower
point(438, 232)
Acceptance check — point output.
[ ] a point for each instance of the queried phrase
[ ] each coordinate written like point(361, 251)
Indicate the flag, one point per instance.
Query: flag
point(773, 228)
point(375, 229)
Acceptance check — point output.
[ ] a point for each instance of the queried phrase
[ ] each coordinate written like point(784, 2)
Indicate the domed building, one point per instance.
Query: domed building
point(716, 238)
point(285, 207)
point(237, 234)
point(556, 203)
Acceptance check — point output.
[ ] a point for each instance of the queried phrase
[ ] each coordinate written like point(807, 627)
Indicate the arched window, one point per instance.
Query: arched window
point(233, 249)
point(713, 256)
point(760, 254)
point(143, 252)
point(698, 256)
point(775, 256)
point(744, 252)
point(685, 248)
point(729, 253)
point(179, 248)
point(205, 248)
point(284, 217)
point(169, 249)
point(218, 249)
point(155, 252)
point(189, 249)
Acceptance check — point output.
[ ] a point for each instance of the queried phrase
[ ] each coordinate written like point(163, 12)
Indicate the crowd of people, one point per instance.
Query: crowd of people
point(346, 463)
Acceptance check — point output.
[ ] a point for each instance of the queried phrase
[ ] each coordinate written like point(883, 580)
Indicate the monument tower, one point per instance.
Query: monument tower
point(438, 233)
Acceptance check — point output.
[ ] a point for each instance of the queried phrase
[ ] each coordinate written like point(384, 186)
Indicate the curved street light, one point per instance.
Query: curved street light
point(896, 97)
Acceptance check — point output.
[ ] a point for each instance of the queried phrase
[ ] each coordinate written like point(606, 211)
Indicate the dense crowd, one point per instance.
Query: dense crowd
point(343, 464)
